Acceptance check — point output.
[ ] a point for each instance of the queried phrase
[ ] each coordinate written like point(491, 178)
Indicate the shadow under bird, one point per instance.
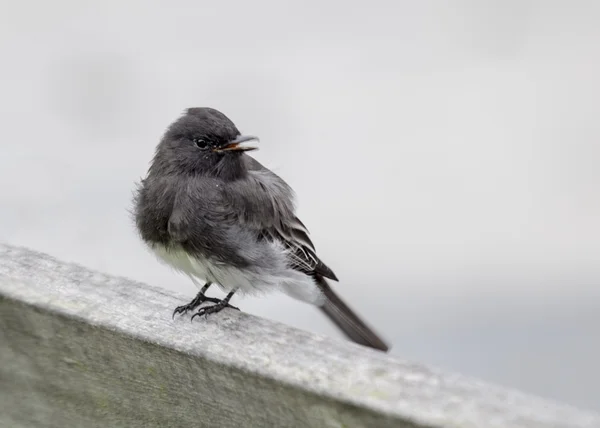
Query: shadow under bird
point(211, 211)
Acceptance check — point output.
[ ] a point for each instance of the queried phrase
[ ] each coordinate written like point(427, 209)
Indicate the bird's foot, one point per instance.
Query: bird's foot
point(218, 307)
point(198, 300)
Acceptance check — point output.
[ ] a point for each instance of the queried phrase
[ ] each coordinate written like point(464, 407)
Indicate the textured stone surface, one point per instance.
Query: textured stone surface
point(82, 349)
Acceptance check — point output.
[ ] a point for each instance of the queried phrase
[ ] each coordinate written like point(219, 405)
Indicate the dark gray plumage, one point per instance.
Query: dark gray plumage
point(216, 214)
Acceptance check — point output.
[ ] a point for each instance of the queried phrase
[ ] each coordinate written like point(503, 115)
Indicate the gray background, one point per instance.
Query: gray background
point(445, 156)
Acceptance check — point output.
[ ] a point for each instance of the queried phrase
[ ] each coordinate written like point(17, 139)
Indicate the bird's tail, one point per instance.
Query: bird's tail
point(347, 320)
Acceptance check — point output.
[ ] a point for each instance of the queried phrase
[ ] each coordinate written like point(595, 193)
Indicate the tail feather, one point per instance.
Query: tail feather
point(347, 320)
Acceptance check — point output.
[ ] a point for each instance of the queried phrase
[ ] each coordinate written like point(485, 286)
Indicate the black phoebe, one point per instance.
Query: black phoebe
point(216, 214)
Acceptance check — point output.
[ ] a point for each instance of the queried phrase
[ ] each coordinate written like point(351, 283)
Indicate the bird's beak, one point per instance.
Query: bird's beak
point(238, 144)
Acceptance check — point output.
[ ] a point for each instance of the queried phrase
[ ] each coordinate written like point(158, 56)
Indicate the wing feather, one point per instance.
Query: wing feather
point(265, 203)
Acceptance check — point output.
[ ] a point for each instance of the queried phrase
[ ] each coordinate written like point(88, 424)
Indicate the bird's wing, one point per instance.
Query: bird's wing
point(295, 236)
point(265, 203)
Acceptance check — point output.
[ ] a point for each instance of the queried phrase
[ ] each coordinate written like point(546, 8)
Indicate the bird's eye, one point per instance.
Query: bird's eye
point(200, 143)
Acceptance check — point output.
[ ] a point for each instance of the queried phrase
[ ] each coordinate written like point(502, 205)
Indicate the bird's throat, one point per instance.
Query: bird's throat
point(230, 167)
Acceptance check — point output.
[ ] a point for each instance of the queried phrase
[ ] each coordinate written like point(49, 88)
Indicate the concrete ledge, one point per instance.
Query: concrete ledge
point(82, 349)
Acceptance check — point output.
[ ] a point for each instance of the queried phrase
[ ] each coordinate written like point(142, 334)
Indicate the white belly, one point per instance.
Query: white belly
point(246, 281)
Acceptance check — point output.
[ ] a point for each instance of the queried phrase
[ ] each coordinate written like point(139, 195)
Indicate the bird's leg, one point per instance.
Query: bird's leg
point(221, 304)
point(198, 300)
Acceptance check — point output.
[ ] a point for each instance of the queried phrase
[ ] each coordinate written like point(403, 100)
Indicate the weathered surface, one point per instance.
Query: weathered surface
point(82, 349)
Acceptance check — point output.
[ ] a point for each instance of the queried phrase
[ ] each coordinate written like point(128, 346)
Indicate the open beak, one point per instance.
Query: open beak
point(239, 144)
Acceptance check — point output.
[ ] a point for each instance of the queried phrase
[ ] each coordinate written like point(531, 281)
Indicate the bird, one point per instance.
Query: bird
point(214, 213)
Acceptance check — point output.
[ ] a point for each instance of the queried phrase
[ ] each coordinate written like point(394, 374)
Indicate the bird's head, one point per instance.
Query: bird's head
point(203, 141)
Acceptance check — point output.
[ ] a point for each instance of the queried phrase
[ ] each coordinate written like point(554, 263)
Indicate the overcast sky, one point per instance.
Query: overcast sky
point(445, 157)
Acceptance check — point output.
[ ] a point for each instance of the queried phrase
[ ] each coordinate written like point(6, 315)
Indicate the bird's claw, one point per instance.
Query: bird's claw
point(198, 300)
point(218, 307)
